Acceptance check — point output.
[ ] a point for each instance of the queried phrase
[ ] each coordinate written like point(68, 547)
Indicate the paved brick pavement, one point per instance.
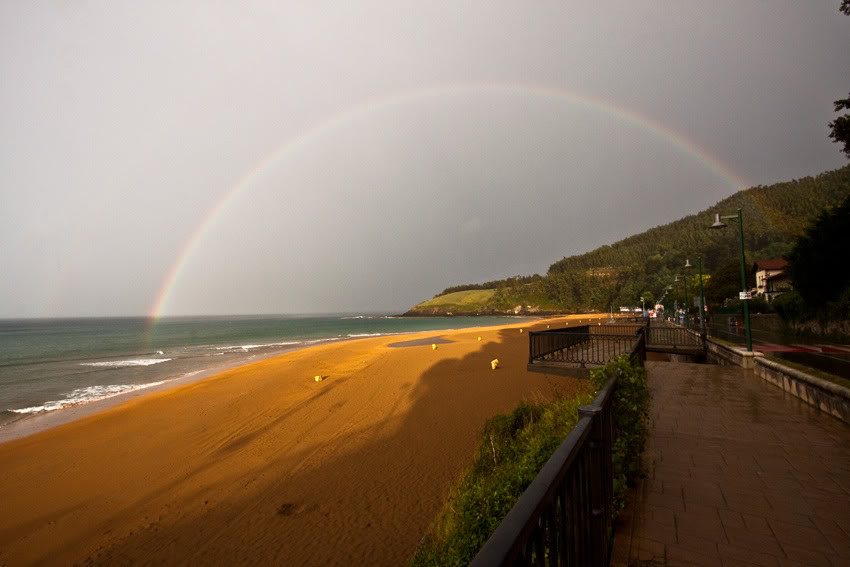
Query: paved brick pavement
point(739, 473)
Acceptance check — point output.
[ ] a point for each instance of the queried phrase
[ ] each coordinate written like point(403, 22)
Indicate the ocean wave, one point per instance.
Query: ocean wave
point(89, 394)
point(355, 317)
point(314, 341)
point(134, 362)
point(252, 347)
point(358, 335)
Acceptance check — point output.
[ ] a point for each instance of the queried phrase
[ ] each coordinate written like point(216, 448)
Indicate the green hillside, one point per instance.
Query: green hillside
point(459, 302)
point(618, 274)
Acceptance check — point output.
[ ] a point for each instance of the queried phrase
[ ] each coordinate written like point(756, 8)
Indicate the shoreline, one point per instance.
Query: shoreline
point(37, 422)
point(259, 463)
point(30, 424)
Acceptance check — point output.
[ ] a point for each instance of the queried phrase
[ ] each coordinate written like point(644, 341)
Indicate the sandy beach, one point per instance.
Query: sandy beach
point(260, 464)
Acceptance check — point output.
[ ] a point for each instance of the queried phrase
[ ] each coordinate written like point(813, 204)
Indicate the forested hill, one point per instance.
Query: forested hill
point(618, 274)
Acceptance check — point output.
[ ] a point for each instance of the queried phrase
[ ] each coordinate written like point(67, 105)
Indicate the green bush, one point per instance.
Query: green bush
point(512, 451)
point(630, 407)
point(790, 306)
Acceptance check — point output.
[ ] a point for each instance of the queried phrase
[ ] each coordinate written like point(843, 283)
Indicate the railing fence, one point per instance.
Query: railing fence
point(565, 516)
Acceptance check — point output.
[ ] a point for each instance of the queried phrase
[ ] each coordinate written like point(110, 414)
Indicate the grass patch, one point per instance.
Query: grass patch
point(460, 300)
point(809, 370)
point(513, 449)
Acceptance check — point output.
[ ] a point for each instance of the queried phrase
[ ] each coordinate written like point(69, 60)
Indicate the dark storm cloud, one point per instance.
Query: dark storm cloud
point(125, 125)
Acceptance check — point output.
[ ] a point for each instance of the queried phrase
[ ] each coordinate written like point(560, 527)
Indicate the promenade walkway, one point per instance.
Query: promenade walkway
point(739, 474)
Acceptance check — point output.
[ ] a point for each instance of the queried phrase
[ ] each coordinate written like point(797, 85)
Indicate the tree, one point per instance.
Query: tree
point(839, 129)
point(817, 266)
point(725, 282)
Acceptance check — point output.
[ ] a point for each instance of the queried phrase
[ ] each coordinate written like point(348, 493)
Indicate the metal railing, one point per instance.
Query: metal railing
point(586, 344)
point(565, 517)
point(674, 336)
point(542, 345)
point(620, 329)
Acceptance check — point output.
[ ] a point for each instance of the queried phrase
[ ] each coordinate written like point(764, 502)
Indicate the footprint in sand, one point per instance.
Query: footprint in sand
point(293, 508)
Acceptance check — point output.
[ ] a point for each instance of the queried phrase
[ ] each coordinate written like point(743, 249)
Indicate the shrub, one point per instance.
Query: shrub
point(512, 451)
point(789, 305)
point(630, 407)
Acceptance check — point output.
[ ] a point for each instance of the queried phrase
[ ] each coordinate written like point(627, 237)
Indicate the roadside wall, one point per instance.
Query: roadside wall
point(719, 353)
point(826, 396)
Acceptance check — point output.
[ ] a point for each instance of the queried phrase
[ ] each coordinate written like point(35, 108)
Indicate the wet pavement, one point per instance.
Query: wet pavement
point(738, 473)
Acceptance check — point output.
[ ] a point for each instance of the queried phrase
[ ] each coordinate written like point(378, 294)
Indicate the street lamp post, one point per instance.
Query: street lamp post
point(684, 281)
point(701, 298)
point(718, 223)
point(688, 266)
point(678, 279)
point(667, 306)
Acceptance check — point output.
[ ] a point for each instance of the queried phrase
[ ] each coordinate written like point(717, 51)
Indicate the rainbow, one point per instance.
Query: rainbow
point(655, 127)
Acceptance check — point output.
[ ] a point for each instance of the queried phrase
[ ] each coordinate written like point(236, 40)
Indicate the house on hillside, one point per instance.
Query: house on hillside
point(777, 284)
point(771, 278)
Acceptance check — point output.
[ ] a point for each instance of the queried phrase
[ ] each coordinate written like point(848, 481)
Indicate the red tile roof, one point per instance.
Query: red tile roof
point(776, 264)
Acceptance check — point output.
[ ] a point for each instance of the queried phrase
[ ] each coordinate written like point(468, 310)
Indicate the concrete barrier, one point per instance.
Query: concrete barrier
point(719, 353)
point(822, 394)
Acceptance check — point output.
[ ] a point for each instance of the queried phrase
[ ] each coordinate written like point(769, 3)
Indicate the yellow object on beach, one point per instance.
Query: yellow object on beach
point(520, 330)
point(479, 338)
point(433, 346)
point(318, 378)
point(494, 364)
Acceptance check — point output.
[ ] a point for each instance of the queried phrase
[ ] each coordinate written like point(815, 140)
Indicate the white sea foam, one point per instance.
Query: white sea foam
point(85, 395)
point(356, 317)
point(252, 347)
point(134, 362)
point(314, 341)
point(378, 334)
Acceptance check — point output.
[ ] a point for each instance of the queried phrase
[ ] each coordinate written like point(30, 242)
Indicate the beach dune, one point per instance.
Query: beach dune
point(262, 464)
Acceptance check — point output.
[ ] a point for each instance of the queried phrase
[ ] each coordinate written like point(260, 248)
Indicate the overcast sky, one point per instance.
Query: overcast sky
point(377, 152)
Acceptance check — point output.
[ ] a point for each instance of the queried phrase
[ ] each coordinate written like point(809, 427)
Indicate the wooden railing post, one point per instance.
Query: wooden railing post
point(598, 522)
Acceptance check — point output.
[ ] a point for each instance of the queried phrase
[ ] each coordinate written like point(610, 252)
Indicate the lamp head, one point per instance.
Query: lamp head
point(688, 264)
point(717, 222)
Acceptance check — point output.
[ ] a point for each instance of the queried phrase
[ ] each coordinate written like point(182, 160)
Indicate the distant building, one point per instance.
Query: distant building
point(771, 279)
point(776, 285)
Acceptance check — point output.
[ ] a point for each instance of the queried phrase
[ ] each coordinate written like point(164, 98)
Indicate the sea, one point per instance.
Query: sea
point(47, 365)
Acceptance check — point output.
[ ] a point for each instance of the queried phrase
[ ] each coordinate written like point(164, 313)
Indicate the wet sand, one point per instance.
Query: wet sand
point(261, 464)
